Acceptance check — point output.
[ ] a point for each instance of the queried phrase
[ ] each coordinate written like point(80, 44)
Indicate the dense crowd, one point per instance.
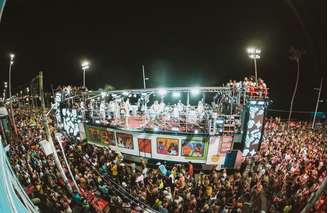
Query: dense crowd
point(280, 178)
point(36, 171)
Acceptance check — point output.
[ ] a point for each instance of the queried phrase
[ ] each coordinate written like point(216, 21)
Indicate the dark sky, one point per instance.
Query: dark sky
point(181, 44)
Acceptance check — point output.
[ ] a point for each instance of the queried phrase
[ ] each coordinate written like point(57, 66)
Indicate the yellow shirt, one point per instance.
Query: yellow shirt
point(161, 185)
point(209, 191)
point(114, 170)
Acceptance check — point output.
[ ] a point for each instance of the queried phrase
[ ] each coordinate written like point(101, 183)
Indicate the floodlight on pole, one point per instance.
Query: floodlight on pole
point(316, 107)
point(144, 78)
point(85, 65)
point(4, 90)
point(12, 56)
point(254, 53)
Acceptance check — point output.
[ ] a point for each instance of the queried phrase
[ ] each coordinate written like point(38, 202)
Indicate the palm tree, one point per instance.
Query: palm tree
point(108, 87)
point(296, 55)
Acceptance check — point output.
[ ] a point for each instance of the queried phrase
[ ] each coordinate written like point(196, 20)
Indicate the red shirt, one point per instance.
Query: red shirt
point(190, 170)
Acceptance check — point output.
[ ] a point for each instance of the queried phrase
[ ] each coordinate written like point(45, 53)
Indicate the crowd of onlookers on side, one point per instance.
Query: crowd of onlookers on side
point(290, 166)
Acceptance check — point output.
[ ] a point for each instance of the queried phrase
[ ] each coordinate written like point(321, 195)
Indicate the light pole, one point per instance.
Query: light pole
point(316, 107)
point(144, 77)
point(12, 56)
point(28, 96)
point(296, 55)
point(85, 65)
point(254, 53)
point(4, 91)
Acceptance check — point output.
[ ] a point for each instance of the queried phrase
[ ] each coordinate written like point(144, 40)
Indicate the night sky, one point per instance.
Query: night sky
point(181, 44)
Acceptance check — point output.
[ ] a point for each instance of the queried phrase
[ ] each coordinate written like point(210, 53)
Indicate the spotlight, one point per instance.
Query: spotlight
point(195, 91)
point(162, 92)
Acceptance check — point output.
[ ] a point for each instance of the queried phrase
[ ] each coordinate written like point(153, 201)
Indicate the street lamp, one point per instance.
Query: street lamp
point(254, 53)
point(4, 91)
point(12, 56)
point(85, 65)
point(144, 79)
point(316, 107)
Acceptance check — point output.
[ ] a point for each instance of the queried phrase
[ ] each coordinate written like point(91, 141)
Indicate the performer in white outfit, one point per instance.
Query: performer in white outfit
point(180, 106)
point(102, 110)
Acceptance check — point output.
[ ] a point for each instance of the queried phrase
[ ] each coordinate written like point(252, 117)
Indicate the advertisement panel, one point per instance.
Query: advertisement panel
point(193, 148)
point(254, 129)
point(70, 121)
point(168, 146)
point(124, 140)
point(144, 145)
point(213, 156)
point(226, 144)
point(100, 136)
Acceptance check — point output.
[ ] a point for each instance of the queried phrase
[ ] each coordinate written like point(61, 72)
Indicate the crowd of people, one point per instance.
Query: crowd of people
point(70, 90)
point(253, 88)
point(290, 166)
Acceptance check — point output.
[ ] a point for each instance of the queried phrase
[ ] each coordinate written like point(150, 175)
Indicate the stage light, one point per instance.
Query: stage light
point(219, 121)
point(260, 102)
point(175, 129)
point(195, 91)
point(156, 129)
point(125, 93)
point(176, 94)
point(162, 91)
point(252, 102)
point(196, 131)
